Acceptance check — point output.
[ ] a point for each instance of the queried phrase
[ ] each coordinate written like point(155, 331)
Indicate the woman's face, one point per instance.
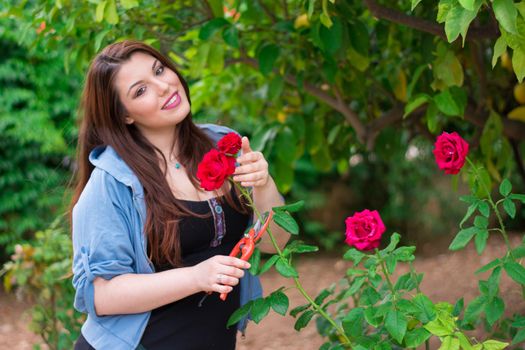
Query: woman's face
point(152, 94)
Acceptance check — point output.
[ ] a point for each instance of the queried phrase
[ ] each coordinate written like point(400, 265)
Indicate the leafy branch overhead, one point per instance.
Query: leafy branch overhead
point(342, 71)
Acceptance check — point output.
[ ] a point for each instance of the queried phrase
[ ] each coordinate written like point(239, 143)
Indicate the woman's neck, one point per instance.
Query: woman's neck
point(164, 140)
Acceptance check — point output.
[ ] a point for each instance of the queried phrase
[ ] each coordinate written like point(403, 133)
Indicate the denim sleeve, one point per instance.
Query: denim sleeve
point(102, 243)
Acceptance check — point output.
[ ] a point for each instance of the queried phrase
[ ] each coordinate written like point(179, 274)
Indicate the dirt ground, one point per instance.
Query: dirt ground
point(448, 277)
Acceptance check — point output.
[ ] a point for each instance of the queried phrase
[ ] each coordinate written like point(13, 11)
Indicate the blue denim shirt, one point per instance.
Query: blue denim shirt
point(108, 240)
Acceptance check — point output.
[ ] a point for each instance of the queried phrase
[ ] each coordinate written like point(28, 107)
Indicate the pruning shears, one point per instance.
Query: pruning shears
point(246, 245)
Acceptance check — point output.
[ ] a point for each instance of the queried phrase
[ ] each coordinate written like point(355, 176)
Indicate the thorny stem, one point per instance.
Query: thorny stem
point(315, 306)
point(494, 207)
point(387, 276)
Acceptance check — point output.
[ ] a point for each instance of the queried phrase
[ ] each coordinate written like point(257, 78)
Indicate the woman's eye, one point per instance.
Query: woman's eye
point(139, 92)
point(161, 69)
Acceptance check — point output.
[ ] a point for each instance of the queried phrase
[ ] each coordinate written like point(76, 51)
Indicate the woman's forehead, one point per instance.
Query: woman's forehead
point(136, 68)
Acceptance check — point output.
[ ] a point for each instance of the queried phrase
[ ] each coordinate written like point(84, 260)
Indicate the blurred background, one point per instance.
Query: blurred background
point(345, 99)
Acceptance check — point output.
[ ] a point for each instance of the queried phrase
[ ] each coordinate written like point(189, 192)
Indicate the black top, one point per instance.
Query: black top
point(184, 325)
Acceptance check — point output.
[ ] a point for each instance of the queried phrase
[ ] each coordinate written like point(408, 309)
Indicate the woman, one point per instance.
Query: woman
point(148, 242)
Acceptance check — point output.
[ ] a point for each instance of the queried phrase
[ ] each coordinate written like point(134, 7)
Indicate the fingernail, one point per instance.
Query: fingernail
point(248, 265)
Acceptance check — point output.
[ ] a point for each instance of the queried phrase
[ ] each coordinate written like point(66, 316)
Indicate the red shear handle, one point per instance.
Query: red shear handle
point(247, 251)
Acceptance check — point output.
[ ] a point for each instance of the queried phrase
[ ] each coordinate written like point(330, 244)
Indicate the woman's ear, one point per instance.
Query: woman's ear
point(129, 120)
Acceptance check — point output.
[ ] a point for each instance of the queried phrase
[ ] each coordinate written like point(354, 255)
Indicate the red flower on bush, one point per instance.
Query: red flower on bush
point(364, 230)
point(230, 144)
point(450, 151)
point(214, 169)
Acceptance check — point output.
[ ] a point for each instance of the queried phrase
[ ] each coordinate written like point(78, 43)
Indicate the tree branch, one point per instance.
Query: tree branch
point(511, 128)
point(423, 25)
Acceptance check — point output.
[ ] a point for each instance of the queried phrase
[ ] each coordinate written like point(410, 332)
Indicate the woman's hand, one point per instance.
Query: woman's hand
point(253, 169)
point(219, 273)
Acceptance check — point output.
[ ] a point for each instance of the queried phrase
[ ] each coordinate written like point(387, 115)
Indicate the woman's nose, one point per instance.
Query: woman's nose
point(162, 87)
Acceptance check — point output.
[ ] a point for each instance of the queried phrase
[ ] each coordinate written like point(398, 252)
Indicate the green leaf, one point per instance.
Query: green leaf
point(231, 36)
point(260, 309)
point(279, 302)
point(216, 7)
point(303, 320)
point(518, 63)
point(416, 337)
point(494, 345)
point(452, 101)
point(396, 324)
point(405, 253)
point(449, 343)
point(505, 187)
point(484, 209)
point(515, 271)
point(267, 57)
point(99, 13)
point(518, 197)
point(355, 255)
point(474, 308)
point(292, 208)
point(254, 261)
point(499, 48)
point(458, 307)
point(480, 240)
point(322, 296)
point(468, 4)
point(353, 322)
point(519, 337)
point(462, 238)
point(481, 222)
point(414, 4)
point(471, 209)
point(506, 14)
point(216, 58)
point(129, 4)
point(509, 207)
point(458, 20)
point(286, 221)
point(240, 313)
point(296, 310)
point(275, 88)
point(269, 263)
point(299, 247)
point(437, 328)
point(446, 67)
point(284, 144)
point(426, 308)
point(210, 27)
point(394, 240)
point(356, 285)
point(331, 36)
point(494, 310)
point(285, 269)
point(110, 12)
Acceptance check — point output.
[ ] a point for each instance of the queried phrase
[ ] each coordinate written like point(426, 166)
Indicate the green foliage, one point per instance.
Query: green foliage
point(42, 270)
point(35, 127)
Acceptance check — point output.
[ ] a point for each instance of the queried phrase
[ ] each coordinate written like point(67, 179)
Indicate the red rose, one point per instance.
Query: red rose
point(230, 144)
point(364, 230)
point(450, 151)
point(214, 169)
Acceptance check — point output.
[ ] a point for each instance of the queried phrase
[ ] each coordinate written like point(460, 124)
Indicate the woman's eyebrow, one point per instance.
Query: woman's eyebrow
point(140, 81)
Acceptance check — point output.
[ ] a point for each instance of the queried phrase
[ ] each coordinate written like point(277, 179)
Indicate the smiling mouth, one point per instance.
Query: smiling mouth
point(172, 101)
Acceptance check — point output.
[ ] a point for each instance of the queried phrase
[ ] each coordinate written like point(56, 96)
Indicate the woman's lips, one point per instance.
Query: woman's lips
point(175, 98)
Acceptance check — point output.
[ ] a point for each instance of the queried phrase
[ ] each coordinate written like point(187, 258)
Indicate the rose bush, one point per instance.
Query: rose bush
point(369, 309)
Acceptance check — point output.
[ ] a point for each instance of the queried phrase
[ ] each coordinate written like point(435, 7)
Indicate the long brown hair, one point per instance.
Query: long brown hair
point(102, 122)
